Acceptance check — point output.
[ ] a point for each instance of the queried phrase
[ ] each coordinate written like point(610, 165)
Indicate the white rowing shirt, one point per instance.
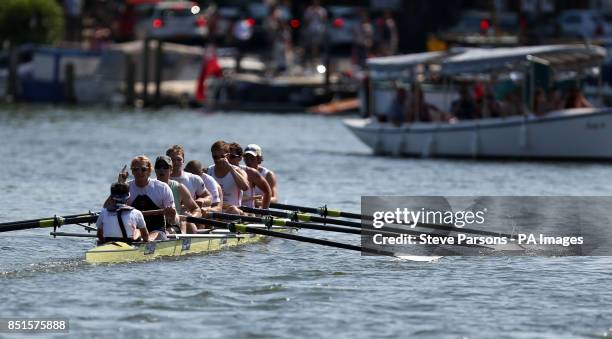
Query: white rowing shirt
point(159, 193)
point(212, 187)
point(193, 182)
point(232, 194)
point(254, 190)
point(107, 221)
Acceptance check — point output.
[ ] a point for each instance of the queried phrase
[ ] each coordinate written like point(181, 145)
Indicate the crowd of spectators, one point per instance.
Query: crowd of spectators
point(478, 102)
point(288, 37)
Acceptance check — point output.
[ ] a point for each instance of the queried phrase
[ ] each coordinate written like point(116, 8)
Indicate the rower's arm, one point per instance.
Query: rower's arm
point(187, 201)
point(144, 233)
point(170, 213)
point(218, 207)
point(142, 226)
point(215, 207)
point(99, 226)
point(240, 177)
point(263, 185)
point(100, 235)
point(271, 178)
point(205, 199)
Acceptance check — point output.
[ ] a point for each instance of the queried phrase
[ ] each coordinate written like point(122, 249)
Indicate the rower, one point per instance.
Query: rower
point(232, 179)
point(150, 194)
point(194, 183)
point(196, 167)
point(120, 222)
point(183, 201)
point(259, 192)
point(253, 157)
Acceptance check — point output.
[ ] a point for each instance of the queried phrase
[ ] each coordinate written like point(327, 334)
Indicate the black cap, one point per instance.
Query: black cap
point(120, 191)
point(164, 161)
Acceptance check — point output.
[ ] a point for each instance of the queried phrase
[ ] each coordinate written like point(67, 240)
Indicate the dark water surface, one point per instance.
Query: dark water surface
point(61, 161)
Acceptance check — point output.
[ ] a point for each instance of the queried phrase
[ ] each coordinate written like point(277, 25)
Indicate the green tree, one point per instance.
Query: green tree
point(33, 21)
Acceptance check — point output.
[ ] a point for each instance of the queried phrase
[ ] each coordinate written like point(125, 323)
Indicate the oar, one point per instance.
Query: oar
point(233, 227)
point(41, 219)
point(287, 223)
point(59, 221)
point(270, 221)
point(324, 211)
point(48, 222)
point(301, 217)
point(248, 229)
point(76, 235)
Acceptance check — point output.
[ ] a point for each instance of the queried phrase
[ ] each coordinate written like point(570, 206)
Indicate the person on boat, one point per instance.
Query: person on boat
point(540, 103)
point(315, 22)
point(148, 194)
point(465, 108)
point(489, 107)
point(183, 200)
point(575, 99)
point(363, 39)
point(398, 111)
point(388, 34)
point(555, 100)
point(259, 192)
point(232, 179)
point(419, 109)
point(513, 104)
point(253, 157)
point(194, 183)
point(120, 222)
point(196, 167)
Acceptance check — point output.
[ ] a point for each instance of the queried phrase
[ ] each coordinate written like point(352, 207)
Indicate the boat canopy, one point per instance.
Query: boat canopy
point(486, 60)
point(398, 66)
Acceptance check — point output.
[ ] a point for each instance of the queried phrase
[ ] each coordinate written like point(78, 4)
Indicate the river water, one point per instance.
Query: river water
point(61, 161)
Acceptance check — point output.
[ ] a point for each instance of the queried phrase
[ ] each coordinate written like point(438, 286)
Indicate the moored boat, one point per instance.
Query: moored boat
point(521, 71)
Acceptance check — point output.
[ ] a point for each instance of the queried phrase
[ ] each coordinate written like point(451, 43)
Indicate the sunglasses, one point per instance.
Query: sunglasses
point(162, 167)
point(139, 169)
point(236, 156)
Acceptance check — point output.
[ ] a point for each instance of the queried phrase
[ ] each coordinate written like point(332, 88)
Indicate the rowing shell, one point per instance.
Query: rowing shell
point(119, 252)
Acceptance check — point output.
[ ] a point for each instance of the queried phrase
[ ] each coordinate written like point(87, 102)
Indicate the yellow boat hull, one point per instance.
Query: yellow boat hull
point(119, 252)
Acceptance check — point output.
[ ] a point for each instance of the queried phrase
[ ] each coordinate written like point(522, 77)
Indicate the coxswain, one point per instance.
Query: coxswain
point(183, 201)
point(232, 179)
point(120, 222)
point(196, 167)
point(253, 157)
point(259, 192)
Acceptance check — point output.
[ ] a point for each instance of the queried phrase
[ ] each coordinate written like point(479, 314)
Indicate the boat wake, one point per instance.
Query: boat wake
point(419, 258)
point(68, 265)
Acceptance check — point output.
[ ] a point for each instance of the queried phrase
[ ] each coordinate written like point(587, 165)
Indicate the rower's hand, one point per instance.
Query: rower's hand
point(123, 175)
point(224, 161)
point(170, 213)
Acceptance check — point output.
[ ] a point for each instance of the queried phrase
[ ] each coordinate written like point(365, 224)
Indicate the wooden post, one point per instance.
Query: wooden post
point(327, 63)
point(69, 94)
point(130, 79)
point(11, 81)
point(145, 72)
point(159, 54)
point(371, 96)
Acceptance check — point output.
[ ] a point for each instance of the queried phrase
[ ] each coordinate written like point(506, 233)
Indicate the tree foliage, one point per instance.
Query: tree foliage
point(31, 21)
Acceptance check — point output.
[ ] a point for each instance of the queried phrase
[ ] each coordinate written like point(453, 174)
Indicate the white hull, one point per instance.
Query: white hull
point(568, 134)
